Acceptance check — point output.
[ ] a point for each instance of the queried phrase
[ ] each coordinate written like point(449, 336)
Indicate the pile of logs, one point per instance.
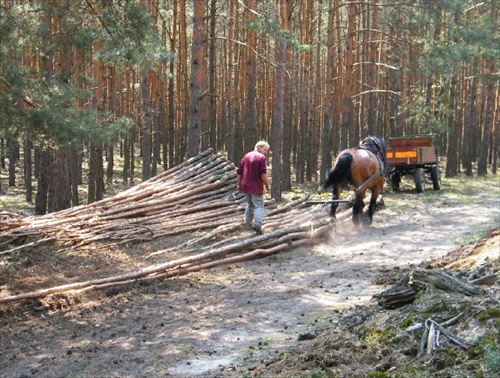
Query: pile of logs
point(199, 194)
point(197, 197)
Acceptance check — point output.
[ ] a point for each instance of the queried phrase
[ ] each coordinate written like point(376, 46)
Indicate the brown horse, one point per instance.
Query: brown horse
point(361, 168)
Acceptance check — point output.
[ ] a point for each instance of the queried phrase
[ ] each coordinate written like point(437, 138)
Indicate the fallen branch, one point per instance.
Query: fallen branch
point(430, 340)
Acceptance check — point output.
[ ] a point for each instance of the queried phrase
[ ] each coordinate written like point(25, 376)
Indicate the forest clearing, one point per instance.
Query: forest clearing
point(162, 280)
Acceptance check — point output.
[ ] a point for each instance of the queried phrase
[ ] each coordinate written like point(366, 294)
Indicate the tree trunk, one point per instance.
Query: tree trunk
point(482, 164)
point(371, 74)
point(74, 172)
point(182, 88)
point(156, 156)
point(327, 133)
point(212, 67)
point(126, 160)
point(13, 154)
point(231, 153)
point(452, 152)
point(470, 120)
point(28, 165)
point(347, 103)
point(250, 116)
point(96, 173)
point(277, 127)
point(286, 155)
point(318, 89)
point(146, 125)
point(195, 109)
point(59, 185)
point(45, 157)
point(110, 159)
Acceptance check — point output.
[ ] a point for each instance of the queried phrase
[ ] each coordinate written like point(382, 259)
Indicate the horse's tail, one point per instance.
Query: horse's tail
point(340, 174)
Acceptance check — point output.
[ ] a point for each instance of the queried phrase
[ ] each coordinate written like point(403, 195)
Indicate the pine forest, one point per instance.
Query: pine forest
point(85, 84)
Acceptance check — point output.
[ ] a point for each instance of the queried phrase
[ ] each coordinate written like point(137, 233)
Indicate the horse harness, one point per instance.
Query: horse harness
point(371, 144)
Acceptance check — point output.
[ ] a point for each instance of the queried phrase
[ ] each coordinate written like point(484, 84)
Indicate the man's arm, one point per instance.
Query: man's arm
point(264, 180)
point(238, 182)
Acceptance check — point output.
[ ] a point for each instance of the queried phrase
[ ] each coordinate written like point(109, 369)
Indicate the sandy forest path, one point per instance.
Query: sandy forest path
point(220, 322)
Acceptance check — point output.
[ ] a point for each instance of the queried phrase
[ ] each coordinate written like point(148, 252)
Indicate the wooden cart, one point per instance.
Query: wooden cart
point(414, 155)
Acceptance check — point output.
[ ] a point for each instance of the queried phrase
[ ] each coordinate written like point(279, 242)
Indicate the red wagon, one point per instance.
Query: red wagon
point(415, 155)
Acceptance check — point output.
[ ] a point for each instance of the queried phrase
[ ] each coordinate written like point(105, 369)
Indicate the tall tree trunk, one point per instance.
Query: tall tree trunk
point(59, 184)
point(328, 100)
point(43, 178)
point(28, 173)
point(146, 125)
point(126, 160)
point(371, 74)
point(156, 140)
point(348, 123)
point(337, 79)
point(231, 151)
point(307, 119)
point(496, 136)
point(170, 141)
point(250, 116)
point(318, 89)
point(482, 165)
point(469, 126)
point(195, 111)
point(96, 173)
point(212, 98)
point(183, 101)
point(13, 154)
point(110, 160)
point(74, 172)
point(288, 122)
point(452, 152)
point(277, 126)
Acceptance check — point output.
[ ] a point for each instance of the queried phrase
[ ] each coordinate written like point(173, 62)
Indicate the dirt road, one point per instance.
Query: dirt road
point(217, 322)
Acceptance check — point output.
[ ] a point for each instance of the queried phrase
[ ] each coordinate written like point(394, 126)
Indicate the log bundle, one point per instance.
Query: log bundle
point(197, 197)
point(199, 194)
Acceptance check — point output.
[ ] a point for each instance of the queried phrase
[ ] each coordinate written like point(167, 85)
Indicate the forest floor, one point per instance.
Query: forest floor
point(306, 312)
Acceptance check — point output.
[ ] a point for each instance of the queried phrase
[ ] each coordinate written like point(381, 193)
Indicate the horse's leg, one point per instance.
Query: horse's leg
point(371, 208)
point(373, 202)
point(357, 209)
point(336, 195)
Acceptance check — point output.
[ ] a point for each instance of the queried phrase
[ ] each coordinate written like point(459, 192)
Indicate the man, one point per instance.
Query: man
point(251, 180)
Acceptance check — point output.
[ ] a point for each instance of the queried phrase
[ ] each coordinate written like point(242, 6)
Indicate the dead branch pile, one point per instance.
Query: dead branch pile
point(420, 280)
point(197, 195)
point(430, 340)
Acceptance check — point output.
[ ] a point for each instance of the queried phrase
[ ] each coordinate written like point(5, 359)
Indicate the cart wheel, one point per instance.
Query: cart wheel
point(419, 177)
point(395, 181)
point(436, 178)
